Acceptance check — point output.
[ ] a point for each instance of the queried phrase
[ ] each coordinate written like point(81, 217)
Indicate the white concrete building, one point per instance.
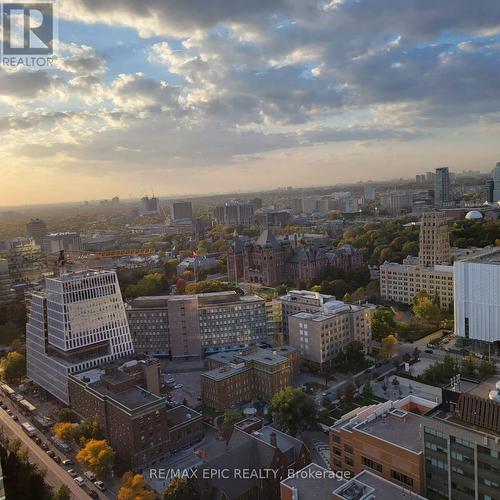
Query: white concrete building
point(477, 296)
point(76, 324)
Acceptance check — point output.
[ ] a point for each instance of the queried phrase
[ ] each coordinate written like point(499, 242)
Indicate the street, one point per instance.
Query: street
point(56, 475)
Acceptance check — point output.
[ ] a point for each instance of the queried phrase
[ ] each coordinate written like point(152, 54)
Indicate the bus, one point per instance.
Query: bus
point(28, 428)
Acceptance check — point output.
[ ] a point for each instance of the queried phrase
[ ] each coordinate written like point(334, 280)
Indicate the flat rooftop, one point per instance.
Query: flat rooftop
point(330, 310)
point(224, 372)
point(367, 485)
point(313, 482)
point(180, 415)
point(489, 256)
point(271, 356)
point(404, 432)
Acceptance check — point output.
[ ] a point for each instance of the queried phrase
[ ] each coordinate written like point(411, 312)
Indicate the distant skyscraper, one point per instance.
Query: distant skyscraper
point(149, 206)
point(496, 181)
point(489, 190)
point(36, 229)
point(5, 283)
point(442, 186)
point(369, 192)
point(76, 324)
point(182, 210)
point(434, 240)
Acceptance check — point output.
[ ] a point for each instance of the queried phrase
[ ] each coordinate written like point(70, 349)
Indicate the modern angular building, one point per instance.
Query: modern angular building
point(77, 323)
point(477, 297)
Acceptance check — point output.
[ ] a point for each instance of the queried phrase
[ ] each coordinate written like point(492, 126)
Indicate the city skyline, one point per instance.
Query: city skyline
point(203, 97)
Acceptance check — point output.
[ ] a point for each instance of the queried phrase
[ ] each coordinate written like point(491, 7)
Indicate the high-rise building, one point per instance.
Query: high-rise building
point(434, 240)
point(234, 213)
point(77, 323)
point(369, 192)
point(182, 210)
point(477, 297)
point(53, 243)
point(489, 190)
point(496, 181)
point(442, 186)
point(36, 229)
point(149, 206)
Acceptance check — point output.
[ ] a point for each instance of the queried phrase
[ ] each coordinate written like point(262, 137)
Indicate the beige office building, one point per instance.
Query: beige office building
point(430, 273)
point(320, 336)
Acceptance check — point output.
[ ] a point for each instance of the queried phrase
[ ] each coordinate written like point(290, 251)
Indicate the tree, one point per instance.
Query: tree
point(181, 489)
point(14, 367)
point(66, 431)
point(486, 369)
point(98, 456)
point(425, 309)
point(209, 286)
point(389, 346)
point(133, 487)
point(468, 366)
point(367, 390)
point(62, 493)
point(89, 429)
point(293, 410)
point(67, 415)
point(231, 416)
point(382, 323)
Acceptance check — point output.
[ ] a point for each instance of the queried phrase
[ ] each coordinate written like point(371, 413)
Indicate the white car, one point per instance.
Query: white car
point(170, 381)
point(79, 481)
point(178, 386)
point(99, 485)
point(89, 475)
point(72, 473)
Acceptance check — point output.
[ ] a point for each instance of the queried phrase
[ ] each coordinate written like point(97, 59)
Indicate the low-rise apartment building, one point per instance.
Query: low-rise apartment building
point(247, 375)
point(321, 335)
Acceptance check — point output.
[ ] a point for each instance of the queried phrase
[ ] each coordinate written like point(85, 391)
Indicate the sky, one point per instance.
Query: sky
point(182, 97)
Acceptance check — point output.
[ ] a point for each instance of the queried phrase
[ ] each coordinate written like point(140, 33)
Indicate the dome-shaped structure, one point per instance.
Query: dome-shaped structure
point(474, 215)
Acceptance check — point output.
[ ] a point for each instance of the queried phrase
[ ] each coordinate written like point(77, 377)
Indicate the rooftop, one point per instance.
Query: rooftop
point(224, 372)
point(180, 415)
point(489, 256)
point(367, 485)
point(403, 431)
point(313, 482)
point(329, 310)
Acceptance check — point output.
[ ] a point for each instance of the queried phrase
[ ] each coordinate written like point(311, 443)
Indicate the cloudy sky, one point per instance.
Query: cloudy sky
point(192, 96)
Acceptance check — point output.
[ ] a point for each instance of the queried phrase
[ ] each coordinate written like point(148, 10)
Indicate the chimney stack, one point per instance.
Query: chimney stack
point(273, 439)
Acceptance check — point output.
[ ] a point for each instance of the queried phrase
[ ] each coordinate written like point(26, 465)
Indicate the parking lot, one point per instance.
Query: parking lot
point(190, 391)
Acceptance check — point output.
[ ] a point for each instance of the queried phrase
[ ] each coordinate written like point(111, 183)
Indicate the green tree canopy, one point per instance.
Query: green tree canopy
point(293, 410)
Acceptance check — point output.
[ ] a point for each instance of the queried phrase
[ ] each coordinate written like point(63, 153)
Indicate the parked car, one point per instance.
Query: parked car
point(72, 473)
point(429, 351)
point(170, 381)
point(89, 475)
point(15, 418)
point(93, 494)
point(37, 440)
point(100, 485)
point(79, 481)
point(68, 461)
point(44, 446)
point(178, 386)
point(57, 459)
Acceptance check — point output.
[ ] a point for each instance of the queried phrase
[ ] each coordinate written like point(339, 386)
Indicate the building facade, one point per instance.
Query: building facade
point(137, 421)
point(190, 326)
point(430, 273)
point(247, 375)
point(182, 210)
point(321, 335)
point(53, 243)
point(442, 186)
point(77, 323)
point(36, 229)
point(6, 295)
point(477, 297)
